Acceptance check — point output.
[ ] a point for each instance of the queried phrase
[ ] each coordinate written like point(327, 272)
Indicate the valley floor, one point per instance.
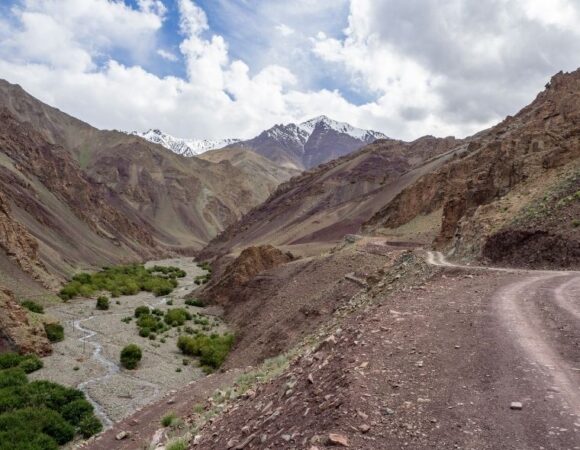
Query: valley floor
point(88, 358)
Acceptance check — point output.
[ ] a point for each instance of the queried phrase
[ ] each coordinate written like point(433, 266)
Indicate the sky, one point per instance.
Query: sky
point(232, 68)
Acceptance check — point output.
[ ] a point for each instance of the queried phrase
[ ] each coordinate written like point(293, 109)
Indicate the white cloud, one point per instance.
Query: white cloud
point(167, 55)
point(285, 30)
point(426, 67)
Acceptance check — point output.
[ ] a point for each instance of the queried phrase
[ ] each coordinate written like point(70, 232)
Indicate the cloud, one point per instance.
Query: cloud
point(417, 66)
point(167, 55)
point(285, 30)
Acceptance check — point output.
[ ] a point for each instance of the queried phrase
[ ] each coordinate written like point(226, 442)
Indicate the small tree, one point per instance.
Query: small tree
point(130, 356)
point(102, 303)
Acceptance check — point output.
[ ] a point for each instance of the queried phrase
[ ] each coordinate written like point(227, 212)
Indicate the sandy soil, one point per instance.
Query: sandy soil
point(88, 358)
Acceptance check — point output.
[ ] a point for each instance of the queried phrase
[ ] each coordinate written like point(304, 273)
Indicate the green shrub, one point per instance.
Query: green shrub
point(176, 317)
point(168, 419)
point(194, 302)
point(15, 376)
point(26, 440)
point(102, 303)
point(89, 426)
point(180, 444)
point(130, 356)
point(144, 332)
point(33, 306)
point(52, 395)
point(30, 363)
point(9, 360)
point(211, 350)
point(76, 411)
point(123, 280)
point(141, 311)
point(38, 420)
point(54, 332)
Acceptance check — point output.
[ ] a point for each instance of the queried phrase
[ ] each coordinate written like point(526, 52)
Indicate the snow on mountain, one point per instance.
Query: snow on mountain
point(341, 127)
point(184, 147)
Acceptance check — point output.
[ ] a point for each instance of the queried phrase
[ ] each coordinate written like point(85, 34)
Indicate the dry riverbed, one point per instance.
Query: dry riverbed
point(88, 358)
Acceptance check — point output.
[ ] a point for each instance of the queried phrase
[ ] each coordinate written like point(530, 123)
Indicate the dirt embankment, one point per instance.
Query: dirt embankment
point(272, 302)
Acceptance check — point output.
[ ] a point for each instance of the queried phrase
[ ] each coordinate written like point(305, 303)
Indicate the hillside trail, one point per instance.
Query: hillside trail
point(516, 307)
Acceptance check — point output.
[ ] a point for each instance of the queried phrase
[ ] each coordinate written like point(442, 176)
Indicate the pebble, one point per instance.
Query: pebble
point(338, 439)
point(122, 435)
point(516, 405)
point(364, 428)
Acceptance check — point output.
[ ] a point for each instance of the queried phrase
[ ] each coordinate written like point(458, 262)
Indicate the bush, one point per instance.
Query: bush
point(211, 350)
point(194, 302)
point(141, 311)
point(90, 425)
point(33, 306)
point(9, 360)
point(26, 440)
point(14, 376)
point(54, 332)
point(144, 332)
point(102, 303)
point(76, 411)
point(130, 356)
point(176, 317)
point(38, 420)
point(30, 363)
point(180, 444)
point(123, 280)
point(168, 419)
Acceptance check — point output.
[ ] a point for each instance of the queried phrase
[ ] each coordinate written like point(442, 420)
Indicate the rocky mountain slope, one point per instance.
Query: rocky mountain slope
point(184, 147)
point(76, 196)
point(334, 199)
point(263, 171)
point(507, 174)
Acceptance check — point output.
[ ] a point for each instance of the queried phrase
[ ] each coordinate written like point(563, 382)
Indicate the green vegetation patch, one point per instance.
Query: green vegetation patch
point(212, 350)
point(176, 317)
point(54, 332)
point(39, 415)
point(123, 280)
point(33, 306)
point(102, 303)
point(130, 356)
point(194, 302)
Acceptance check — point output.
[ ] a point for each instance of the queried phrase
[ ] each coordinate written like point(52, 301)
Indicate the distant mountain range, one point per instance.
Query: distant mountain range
point(296, 146)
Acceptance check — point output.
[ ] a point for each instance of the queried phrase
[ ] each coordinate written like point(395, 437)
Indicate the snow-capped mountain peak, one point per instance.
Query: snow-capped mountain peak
point(184, 147)
point(340, 127)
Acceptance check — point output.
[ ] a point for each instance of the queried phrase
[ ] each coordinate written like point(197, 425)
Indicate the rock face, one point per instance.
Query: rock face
point(238, 273)
point(542, 139)
point(17, 333)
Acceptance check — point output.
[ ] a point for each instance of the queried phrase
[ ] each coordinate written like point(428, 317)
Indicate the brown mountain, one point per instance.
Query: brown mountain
point(334, 199)
point(514, 195)
point(72, 195)
point(455, 193)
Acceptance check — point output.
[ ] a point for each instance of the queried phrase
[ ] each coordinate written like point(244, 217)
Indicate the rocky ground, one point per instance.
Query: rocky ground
point(447, 358)
point(88, 357)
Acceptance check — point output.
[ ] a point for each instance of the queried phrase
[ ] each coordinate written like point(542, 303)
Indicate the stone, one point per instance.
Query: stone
point(516, 406)
point(197, 439)
point(310, 378)
point(338, 439)
point(171, 401)
point(122, 435)
point(286, 437)
point(364, 428)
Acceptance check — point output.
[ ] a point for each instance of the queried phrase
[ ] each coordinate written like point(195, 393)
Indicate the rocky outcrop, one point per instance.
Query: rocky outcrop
point(17, 332)
point(252, 261)
point(20, 246)
point(544, 137)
